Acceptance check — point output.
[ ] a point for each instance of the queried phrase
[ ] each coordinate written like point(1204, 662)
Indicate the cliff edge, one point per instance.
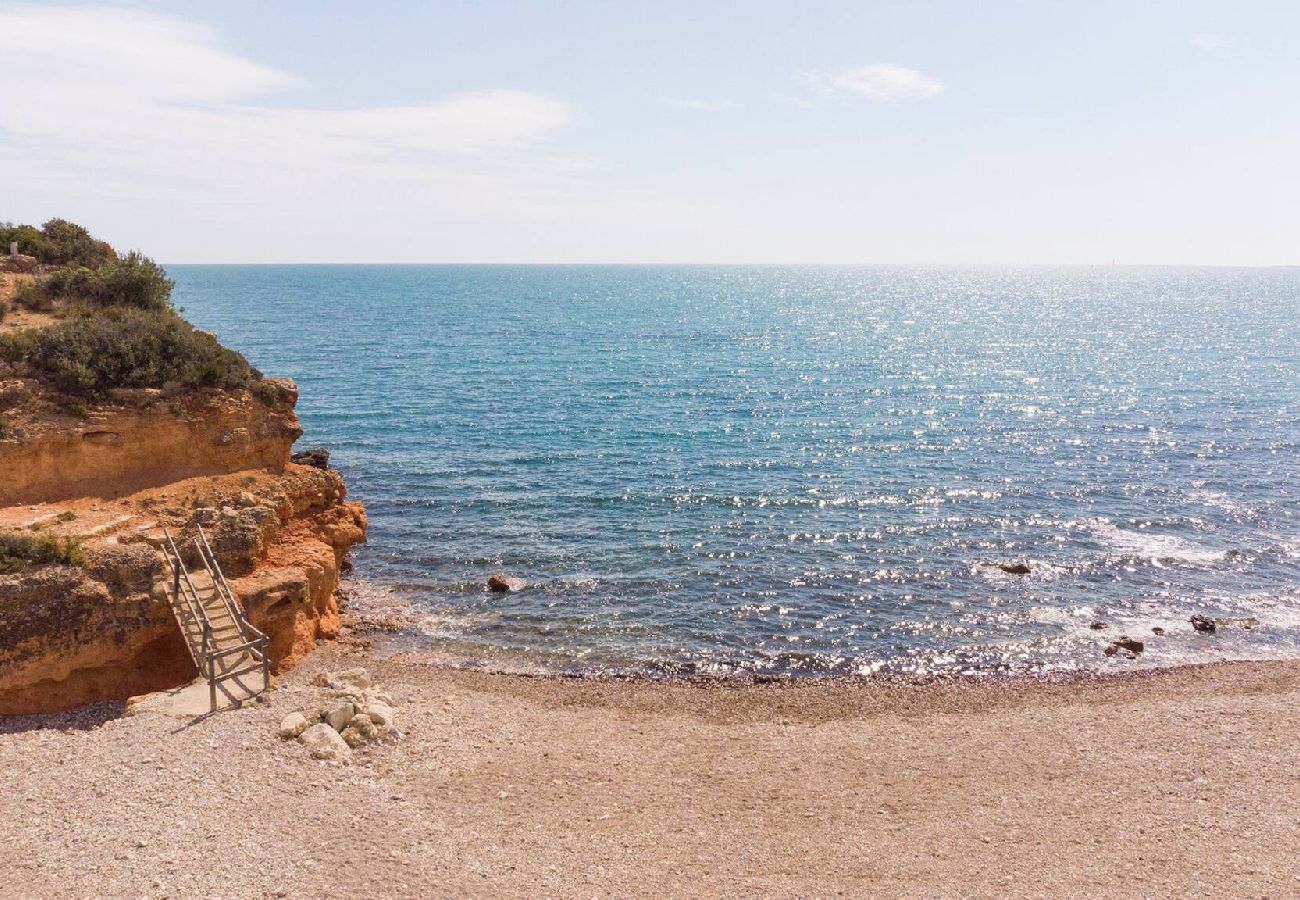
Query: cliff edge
point(118, 420)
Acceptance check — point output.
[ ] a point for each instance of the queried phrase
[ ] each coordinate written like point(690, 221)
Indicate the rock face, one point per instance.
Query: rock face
point(70, 636)
point(145, 439)
point(75, 635)
point(68, 639)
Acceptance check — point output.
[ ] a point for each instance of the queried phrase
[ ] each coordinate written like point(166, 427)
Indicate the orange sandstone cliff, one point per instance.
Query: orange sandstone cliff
point(114, 477)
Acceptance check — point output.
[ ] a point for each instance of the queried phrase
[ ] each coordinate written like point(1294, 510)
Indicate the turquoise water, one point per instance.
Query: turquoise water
point(807, 470)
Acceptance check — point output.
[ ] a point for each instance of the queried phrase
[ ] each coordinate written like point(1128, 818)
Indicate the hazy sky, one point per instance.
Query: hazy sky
point(854, 131)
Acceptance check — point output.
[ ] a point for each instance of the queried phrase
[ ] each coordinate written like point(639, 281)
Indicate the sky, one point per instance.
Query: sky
point(821, 131)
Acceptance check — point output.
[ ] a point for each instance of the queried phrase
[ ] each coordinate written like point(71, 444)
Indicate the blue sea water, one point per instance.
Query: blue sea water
point(806, 469)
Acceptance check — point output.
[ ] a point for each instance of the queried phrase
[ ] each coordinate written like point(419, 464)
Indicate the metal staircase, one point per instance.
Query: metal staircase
point(224, 645)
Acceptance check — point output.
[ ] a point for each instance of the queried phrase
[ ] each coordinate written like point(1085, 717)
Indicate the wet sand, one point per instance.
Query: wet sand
point(1180, 782)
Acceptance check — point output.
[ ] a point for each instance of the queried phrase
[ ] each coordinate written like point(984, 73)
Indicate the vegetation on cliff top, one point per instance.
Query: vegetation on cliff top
point(18, 551)
point(57, 243)
point(117, 328)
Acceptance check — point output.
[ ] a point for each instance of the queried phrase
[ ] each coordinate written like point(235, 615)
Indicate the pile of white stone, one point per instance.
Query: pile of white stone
point(353, 715)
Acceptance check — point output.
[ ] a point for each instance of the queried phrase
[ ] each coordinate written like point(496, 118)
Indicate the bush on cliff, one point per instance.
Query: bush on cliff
point(134, 280)
point(57, 243)
point(18, 551)
point(126, 348)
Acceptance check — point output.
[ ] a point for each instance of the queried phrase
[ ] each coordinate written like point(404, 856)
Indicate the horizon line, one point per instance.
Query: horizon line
point(862, 265)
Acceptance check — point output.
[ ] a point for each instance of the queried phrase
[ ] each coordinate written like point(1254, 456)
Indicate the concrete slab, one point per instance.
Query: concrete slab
point(192, 700)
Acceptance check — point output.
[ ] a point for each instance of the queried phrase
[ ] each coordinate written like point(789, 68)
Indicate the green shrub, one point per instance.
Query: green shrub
point(135, 281)
point(57, 243)
point(70, 244)
point(30, 240)
point(34, 296)
point(18, 551)
point(126, 348)
point(15, 346)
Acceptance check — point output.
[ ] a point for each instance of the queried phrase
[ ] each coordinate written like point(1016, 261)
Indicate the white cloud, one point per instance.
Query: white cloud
point(110, 105)
point(880, 82)
point(85, 76)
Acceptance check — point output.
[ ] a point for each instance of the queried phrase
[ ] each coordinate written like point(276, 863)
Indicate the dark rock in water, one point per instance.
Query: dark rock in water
point(1098, 625)
point(1129, 645)
point(1014, 568)
point(317, 458)
point(1157, 630)
point(1203, 624)
point(503, 583)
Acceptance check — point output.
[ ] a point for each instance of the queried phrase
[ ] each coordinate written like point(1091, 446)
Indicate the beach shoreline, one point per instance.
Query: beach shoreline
point(1176, 781)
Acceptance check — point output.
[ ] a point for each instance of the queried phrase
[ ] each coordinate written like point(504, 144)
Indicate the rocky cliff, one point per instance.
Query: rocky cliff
point(139, 439)
point(113, 477)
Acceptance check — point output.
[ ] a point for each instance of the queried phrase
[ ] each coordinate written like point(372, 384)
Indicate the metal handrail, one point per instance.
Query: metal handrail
point(193, 605)
point(223, 589)
point(189, 605)
point(218, 654)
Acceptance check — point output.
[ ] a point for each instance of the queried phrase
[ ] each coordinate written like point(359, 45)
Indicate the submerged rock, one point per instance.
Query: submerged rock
point(1157, 630)
point(503, 583)
point(1098, 625)
point(1014, 568)
point(1129, 645)
point(1203, 624)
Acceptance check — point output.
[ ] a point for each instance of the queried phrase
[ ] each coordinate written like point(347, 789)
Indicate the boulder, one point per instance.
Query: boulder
point(293, 725)
point(503, 583)
point(350, 681)
point(1157, 630)
point(1098, 625)
point(338, 714)
point(361, 730)
point(379, 713)
point(1203, 624)
point(317, 458)
point(324, 743)
point(1014, 568)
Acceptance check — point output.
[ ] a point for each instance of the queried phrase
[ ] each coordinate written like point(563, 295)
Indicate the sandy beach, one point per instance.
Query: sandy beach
point(1179, 782)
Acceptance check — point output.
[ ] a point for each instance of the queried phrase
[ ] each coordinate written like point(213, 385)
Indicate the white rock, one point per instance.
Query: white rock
point(293, 725)
point(360, 730)
point(324, 743)
point(356, 678)
point(379, 713)
point(337, 715)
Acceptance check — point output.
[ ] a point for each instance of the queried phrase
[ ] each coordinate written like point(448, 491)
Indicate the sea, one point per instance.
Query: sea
point(802, 471)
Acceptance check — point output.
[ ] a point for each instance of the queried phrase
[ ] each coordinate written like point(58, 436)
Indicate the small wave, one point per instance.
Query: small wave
point(1161, 549)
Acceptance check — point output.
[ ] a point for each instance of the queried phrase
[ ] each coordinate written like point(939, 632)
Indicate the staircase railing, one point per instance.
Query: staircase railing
point(190, 611)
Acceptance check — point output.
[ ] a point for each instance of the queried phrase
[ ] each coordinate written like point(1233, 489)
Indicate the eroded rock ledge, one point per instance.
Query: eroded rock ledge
point(140, 439)
point(113, 477)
